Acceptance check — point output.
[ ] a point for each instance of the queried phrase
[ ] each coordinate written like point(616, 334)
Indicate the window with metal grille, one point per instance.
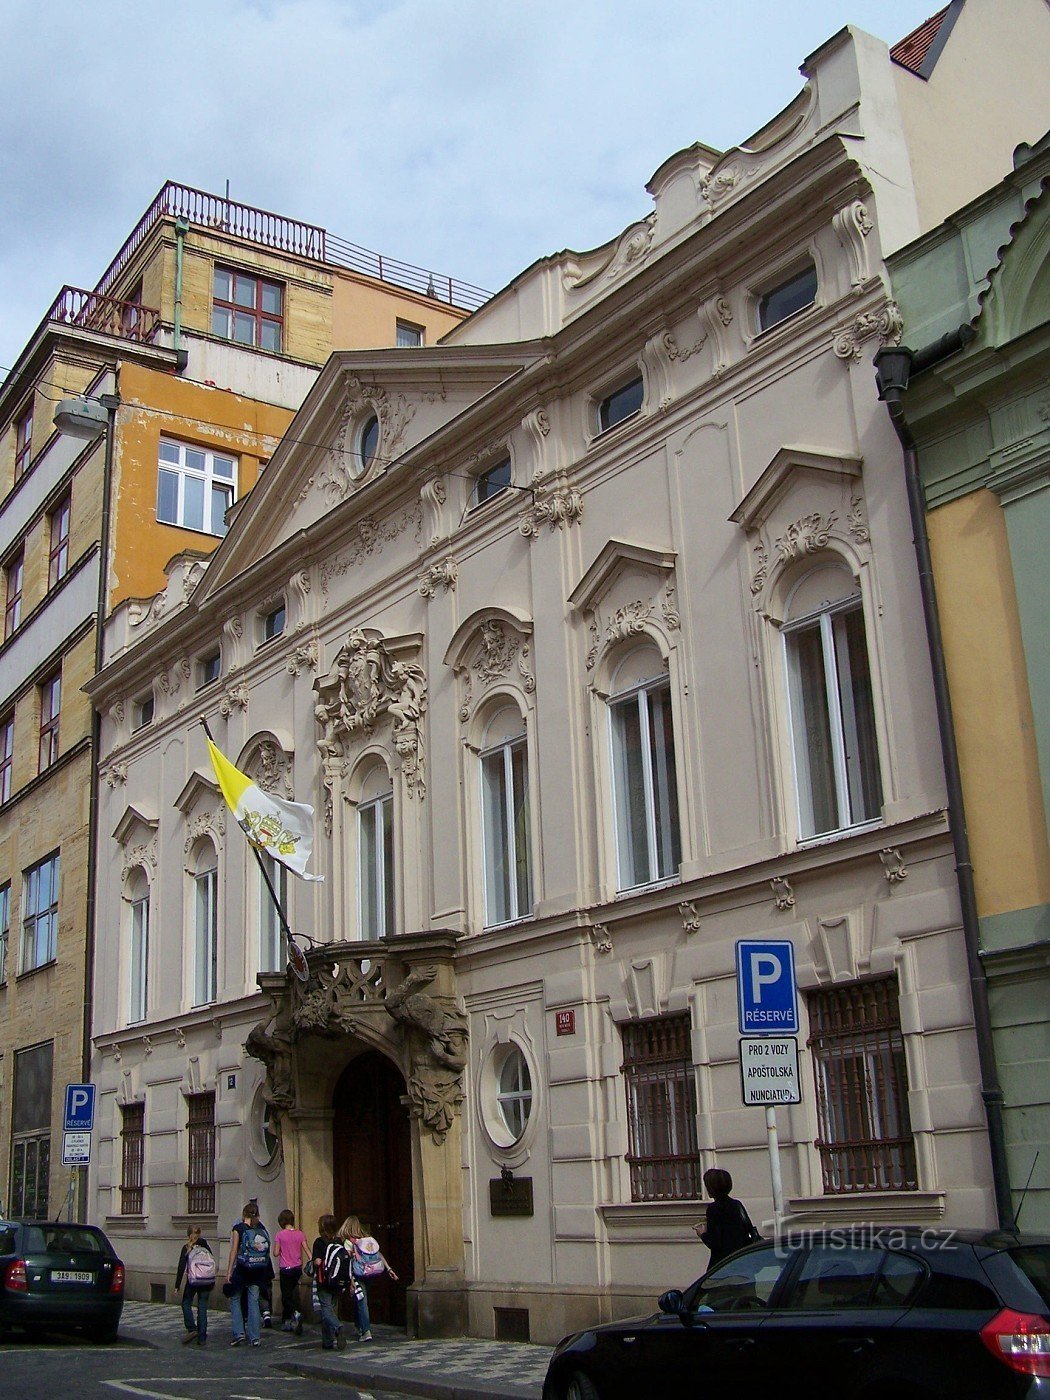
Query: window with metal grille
point(864, 1131)
point(133, 1156)
point(661, 1110)
point(200, 1184)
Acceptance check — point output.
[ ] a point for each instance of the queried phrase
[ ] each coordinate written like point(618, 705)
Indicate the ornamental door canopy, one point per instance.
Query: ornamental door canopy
point(397, 993)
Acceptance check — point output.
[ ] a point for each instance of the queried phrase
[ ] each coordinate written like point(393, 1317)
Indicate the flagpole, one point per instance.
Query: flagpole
point(258, 856)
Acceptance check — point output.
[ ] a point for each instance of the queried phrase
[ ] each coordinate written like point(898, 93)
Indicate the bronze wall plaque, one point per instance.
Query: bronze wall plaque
point(510, 1195)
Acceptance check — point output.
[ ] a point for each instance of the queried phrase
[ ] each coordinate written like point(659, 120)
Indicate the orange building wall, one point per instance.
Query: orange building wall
point(153, 405)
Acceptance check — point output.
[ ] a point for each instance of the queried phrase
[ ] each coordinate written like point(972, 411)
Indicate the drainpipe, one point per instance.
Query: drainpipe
point(893, 368)
point(182, 228)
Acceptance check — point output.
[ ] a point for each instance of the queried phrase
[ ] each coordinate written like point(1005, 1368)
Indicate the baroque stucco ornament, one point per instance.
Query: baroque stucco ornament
point(886, 323)
point(555, 504)
point(367, 684)
point(393, 413)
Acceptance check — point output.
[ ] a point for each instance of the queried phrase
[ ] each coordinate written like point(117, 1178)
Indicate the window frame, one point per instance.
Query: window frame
point(497, 763)
point(603, 405)
point(259, 317)
point(203, 679)
point(24, 441)
point(28, 1131)
point(405, 327)
point(58, 550)
point(143, 711)
point(477, 500)
point(138, 958)
point(802, 272)
point(35, 915)
point(852, 777)
point(520, 1097)
point(375, 879)
point(5, 928)
point(211, 482)
point(360, 464)
point(49, 695)
point(14, 570)
point(206, 934)
point(667, 817)
point(657, 1054)
point(132, 1157)
point(7, 755)
point(268, 630)
point(860, 1077)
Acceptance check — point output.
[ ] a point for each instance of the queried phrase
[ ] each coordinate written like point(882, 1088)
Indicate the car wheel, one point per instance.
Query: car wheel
point(103, 1334)
point(581, 1387)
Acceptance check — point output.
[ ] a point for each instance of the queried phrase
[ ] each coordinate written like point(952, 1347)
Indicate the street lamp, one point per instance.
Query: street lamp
point(85, 418)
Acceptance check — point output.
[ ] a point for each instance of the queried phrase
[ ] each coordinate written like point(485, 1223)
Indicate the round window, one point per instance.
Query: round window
point(265, 1140)
point(367, 443)
point(514, 1092)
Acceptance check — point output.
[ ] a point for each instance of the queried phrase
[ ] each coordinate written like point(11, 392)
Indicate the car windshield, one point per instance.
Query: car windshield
point(61, 1239)
point(1034, 1262)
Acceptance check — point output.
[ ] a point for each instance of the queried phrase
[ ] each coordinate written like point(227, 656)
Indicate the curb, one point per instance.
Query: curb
point(401, 1383)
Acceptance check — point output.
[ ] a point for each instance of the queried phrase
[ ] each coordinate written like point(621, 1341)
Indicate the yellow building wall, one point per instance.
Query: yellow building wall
point(990, 700)
point(366, 313)
point(155, 405)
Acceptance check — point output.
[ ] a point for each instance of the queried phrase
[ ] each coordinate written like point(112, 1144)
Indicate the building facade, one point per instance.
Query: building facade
point(194, 349)
point(980, 420)
point(600, 649)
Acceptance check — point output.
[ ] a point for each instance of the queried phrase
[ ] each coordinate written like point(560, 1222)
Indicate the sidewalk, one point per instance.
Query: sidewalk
point(465, 1369)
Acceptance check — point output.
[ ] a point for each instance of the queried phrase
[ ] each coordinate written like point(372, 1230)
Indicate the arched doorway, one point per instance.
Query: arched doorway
point(372, 1172)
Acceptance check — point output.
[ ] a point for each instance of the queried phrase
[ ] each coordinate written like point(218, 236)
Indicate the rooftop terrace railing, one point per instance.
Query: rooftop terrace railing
point(290, 236)
point(94, 311)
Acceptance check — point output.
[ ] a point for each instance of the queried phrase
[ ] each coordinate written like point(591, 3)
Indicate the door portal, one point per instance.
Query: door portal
point(372, 1171)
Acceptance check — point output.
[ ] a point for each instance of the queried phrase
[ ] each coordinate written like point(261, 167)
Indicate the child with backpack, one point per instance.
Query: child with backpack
point(197, 1264)
point(332, 1276)
point(366, 1262)
point(247, 1268)
point(289, 1244)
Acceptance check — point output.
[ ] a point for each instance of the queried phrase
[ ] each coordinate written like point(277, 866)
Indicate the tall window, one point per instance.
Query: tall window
point(50, 705)
point(7, 754)
point(832, 715)
point(138, 959)
point(507, 843)
point(14, 575)
point(40, 913)
point(58, 555)
point(5, 927)
point(200, 1181)
point(375, 854)
point(206, 930)
point(30, 1177)
point(249, 310)
point(271, 942)
point(864, 1131)
point(661, 1110)
point(132, 1157)
point(195, 487)
point(24, 442)
point(648, 839)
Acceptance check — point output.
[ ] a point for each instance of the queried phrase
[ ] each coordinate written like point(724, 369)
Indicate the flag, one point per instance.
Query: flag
point(285, 830)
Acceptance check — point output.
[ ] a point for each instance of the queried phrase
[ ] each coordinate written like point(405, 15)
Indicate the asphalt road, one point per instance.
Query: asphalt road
point(162, 1369)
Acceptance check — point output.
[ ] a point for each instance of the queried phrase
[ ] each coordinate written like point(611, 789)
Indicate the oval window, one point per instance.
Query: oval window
point(514, 1092)
point(367, 443)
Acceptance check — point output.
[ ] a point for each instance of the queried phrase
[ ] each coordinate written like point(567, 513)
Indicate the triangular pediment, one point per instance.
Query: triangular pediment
point(318, 468)
point(789, 464)
point(198, 785)
point(613, 558)
point(135, 819)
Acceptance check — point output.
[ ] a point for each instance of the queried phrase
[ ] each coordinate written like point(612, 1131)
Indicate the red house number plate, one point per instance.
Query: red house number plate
point(565, 1022)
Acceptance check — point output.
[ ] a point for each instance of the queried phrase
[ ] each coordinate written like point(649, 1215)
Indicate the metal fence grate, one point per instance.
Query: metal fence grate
point(133, 1155)
point(661, 1110)
point(201, 1182)
point(864, 1131)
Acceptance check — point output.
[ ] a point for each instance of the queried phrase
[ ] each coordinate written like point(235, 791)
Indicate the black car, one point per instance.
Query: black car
point(870, 1313)
point(59, 1275)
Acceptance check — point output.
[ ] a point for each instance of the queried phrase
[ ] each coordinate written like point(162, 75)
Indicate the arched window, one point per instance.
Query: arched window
point(205, 925)
point(832, 716)
point(506, 837)
point(645, 783)
point(375, 853)
point(138, 947)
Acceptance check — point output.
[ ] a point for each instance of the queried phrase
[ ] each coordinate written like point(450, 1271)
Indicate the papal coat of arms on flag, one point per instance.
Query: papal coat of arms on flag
point(285, 830)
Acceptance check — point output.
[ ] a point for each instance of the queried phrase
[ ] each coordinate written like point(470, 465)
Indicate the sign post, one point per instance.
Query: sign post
point(767, 1002)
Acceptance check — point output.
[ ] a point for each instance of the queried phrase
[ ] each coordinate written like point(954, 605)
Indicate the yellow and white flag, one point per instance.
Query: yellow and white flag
point(285, 830)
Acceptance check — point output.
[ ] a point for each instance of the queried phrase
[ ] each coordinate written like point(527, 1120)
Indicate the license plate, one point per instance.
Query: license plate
point(71, 1276)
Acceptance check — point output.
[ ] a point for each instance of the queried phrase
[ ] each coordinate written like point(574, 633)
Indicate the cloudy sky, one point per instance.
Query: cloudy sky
point(467, 136)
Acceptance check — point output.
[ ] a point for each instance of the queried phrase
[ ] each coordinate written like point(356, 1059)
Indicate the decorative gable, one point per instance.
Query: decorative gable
point(629, 590)
point(492, 647)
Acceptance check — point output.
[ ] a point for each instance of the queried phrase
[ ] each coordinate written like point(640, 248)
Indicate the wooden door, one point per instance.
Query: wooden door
point(372, 1168)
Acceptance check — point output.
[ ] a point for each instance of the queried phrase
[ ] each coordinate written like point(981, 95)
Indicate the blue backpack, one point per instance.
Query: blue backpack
point(254, 1253)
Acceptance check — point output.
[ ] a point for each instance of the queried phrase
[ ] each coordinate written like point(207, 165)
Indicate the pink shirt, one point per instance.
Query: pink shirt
point(290, 1248)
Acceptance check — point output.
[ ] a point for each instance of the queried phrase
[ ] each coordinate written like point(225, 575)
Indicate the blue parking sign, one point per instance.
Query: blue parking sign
point(79, 1114)
point(765, 978)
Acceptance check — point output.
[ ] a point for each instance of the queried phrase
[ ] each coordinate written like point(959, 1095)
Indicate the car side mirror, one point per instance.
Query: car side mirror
point(671, 1302)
